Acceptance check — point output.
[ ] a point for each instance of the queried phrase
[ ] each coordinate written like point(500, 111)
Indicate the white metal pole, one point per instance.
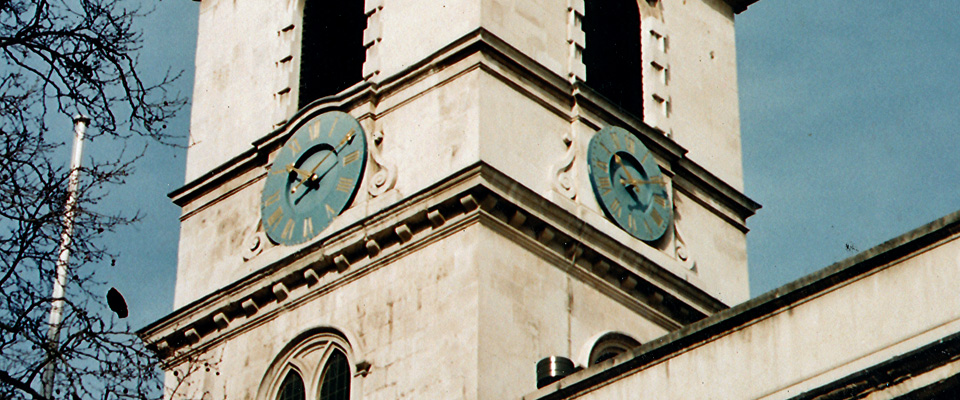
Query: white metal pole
point(80, 124)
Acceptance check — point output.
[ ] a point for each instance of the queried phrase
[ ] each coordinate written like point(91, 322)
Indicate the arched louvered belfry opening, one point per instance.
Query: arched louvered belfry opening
point(335, 380)
point(292, 387)
point(612, 53)
point(331, 48)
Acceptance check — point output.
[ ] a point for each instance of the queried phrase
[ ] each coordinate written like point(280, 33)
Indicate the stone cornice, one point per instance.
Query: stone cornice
point(478, 194)
point(517, 70)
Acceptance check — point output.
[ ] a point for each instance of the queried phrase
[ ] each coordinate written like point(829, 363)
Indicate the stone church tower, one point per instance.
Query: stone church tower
point(422, 198)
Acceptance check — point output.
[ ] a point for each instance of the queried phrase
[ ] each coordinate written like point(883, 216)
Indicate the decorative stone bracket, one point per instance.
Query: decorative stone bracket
point(383, 174)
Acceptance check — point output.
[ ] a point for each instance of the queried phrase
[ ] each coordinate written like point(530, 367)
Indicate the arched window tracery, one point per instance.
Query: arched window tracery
point(315, 366)
point(335, 380)
point(292, 387)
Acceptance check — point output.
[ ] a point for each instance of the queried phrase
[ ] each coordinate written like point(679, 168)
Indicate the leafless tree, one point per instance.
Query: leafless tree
point(59, 58)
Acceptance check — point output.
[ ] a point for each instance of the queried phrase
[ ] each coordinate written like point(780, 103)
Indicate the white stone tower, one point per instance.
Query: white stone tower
point(476, 237)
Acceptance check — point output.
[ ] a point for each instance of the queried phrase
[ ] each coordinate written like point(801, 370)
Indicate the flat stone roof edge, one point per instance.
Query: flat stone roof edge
point(892, 249)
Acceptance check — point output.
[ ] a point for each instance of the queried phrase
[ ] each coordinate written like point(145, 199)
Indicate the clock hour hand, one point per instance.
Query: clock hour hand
point(304, 175)
point(616, 158)
point(638, 182)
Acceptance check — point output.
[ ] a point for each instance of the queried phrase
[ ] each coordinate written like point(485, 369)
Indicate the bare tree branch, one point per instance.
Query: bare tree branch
point(58, 58)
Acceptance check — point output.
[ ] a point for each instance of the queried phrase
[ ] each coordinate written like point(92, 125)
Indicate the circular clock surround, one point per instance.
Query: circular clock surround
point(314, 176)
point(628, 183)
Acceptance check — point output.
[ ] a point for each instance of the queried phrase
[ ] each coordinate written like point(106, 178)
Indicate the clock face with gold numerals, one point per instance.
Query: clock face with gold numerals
point(628, 183)
point(313, 178)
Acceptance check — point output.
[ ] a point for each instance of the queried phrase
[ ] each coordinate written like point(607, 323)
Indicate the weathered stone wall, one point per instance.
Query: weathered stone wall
point(864, 319)
point(537, 28)
point(475, 307)
point(234, 80)
point(438, 125)
point(238, 87)
point(479, 305)
point(530, 309)
point(449, 117)
point(705, 110)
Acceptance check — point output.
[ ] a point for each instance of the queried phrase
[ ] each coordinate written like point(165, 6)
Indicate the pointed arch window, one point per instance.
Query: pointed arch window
point(292, 387)
point(612, 54)
point(314, 366)
point(335, 381)
point(331, 48)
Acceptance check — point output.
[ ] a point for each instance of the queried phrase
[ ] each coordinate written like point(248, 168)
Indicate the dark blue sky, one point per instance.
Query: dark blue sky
point(851, 127)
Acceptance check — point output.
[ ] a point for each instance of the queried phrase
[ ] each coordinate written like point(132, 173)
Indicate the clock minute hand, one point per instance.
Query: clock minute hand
point(343, 142)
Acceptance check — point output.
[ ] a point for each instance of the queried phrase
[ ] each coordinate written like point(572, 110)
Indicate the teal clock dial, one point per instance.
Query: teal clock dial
point(313, 178)
point(628, 183)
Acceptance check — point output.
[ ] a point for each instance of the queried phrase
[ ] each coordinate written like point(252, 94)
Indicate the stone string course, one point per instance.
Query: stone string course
point(346, 256)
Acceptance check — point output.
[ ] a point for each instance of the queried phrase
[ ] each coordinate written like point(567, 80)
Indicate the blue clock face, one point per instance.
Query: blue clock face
point(628, 183)
point(313, 178)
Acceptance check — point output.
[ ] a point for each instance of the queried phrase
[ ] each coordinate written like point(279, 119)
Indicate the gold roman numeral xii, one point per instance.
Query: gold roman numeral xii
point(615, 139)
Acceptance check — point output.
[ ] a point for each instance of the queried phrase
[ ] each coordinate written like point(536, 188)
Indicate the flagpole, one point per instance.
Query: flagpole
point(80, 124)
